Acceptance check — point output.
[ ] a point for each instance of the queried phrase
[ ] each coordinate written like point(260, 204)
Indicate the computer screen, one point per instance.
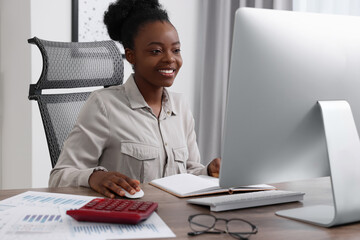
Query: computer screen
point(282, 64)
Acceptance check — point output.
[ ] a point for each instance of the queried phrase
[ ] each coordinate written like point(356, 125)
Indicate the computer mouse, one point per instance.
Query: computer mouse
point(138, 194)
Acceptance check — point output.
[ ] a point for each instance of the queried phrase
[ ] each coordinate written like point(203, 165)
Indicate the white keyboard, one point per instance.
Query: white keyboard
point(246, 200)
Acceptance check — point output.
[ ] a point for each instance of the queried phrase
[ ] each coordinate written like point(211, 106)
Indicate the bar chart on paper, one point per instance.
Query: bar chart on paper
point(36, 223)
point(36, 213)
point(43, 215)
point(24, 222)
point(42, 199)
point(42, 218)
point(110, 228)
point(153, 227)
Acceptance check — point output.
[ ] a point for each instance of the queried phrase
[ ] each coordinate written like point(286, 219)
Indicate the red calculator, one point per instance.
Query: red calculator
point(114, 211)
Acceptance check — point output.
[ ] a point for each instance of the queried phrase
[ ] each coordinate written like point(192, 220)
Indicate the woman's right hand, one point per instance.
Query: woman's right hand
point(111, 183)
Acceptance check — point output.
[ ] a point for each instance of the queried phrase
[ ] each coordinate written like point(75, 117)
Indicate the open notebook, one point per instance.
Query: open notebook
point(189, 185)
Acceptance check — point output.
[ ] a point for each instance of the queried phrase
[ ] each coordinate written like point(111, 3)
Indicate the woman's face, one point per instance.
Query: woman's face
point(156, 55)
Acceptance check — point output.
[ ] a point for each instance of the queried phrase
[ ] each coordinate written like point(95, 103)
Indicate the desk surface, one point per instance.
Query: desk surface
point(175, 211)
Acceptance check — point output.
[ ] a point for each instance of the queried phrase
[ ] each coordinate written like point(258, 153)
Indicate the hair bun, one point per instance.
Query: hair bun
point(119, 11)
point(146, 4)
point(124, 17)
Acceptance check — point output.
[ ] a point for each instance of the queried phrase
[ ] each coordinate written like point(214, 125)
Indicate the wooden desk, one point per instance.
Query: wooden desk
point(175, 211)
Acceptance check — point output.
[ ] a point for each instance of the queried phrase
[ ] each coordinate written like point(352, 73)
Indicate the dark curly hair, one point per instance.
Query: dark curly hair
point(124, 18)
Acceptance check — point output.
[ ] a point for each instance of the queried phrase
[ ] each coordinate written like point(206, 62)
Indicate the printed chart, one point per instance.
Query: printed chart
point(39, 215)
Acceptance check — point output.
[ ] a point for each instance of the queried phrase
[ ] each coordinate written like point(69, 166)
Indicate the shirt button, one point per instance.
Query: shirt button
point(165, 144)
point(168, 113)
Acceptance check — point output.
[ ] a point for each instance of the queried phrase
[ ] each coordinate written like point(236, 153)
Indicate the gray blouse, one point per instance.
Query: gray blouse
point(117, 131)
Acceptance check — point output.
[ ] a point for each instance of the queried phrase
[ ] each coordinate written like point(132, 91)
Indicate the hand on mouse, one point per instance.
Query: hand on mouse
point(213, 168)
point(111, 183)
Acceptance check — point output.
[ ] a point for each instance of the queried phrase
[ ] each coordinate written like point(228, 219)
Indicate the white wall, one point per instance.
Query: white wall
point(184, 16)
point(24, 157)
point(1, 94)
point(51, 20)
point(25, 160)
point(15, 78)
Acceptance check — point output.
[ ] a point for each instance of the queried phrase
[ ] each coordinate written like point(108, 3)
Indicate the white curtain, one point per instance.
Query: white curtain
point(217, 20)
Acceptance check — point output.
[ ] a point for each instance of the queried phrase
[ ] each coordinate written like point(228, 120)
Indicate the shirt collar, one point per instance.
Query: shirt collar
point(168, 106)
point(136, 100)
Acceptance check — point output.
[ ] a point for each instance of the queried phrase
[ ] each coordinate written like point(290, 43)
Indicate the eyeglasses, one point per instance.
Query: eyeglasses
point(235, 227)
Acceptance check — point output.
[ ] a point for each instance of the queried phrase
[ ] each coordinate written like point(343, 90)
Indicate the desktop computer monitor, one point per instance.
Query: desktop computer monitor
point(282, 64)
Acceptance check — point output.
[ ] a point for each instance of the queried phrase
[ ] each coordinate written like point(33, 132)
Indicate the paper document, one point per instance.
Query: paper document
point(153, 227)
point(44, 199)
point(39, 215)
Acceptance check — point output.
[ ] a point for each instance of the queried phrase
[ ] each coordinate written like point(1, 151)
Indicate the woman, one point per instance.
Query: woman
point(138, 131)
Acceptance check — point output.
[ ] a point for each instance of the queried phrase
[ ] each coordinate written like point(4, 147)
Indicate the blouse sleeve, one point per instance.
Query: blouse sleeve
point(82, 150)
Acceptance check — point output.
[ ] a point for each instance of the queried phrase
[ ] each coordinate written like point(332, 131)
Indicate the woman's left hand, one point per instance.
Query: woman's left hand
point(214, 167)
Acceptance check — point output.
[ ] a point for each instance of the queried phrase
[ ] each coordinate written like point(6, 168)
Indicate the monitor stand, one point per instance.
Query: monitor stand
point(343, 147)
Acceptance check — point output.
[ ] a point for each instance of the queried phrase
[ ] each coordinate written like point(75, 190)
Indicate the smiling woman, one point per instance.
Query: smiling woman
point(138, 131)
point(156, 61)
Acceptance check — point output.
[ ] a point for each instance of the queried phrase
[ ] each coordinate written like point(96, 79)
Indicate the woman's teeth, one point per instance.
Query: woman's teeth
point(166, 71)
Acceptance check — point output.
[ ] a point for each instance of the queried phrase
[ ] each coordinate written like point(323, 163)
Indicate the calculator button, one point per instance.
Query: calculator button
point(92, 203)
point(120, 208)
point(135, 206)
point(100, 207)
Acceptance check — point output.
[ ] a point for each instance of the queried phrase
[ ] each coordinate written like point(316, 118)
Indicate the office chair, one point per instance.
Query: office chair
point(72, 65)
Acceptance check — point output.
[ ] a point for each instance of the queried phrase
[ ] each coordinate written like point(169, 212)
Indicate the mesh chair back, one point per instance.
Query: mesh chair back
point(71, 65)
